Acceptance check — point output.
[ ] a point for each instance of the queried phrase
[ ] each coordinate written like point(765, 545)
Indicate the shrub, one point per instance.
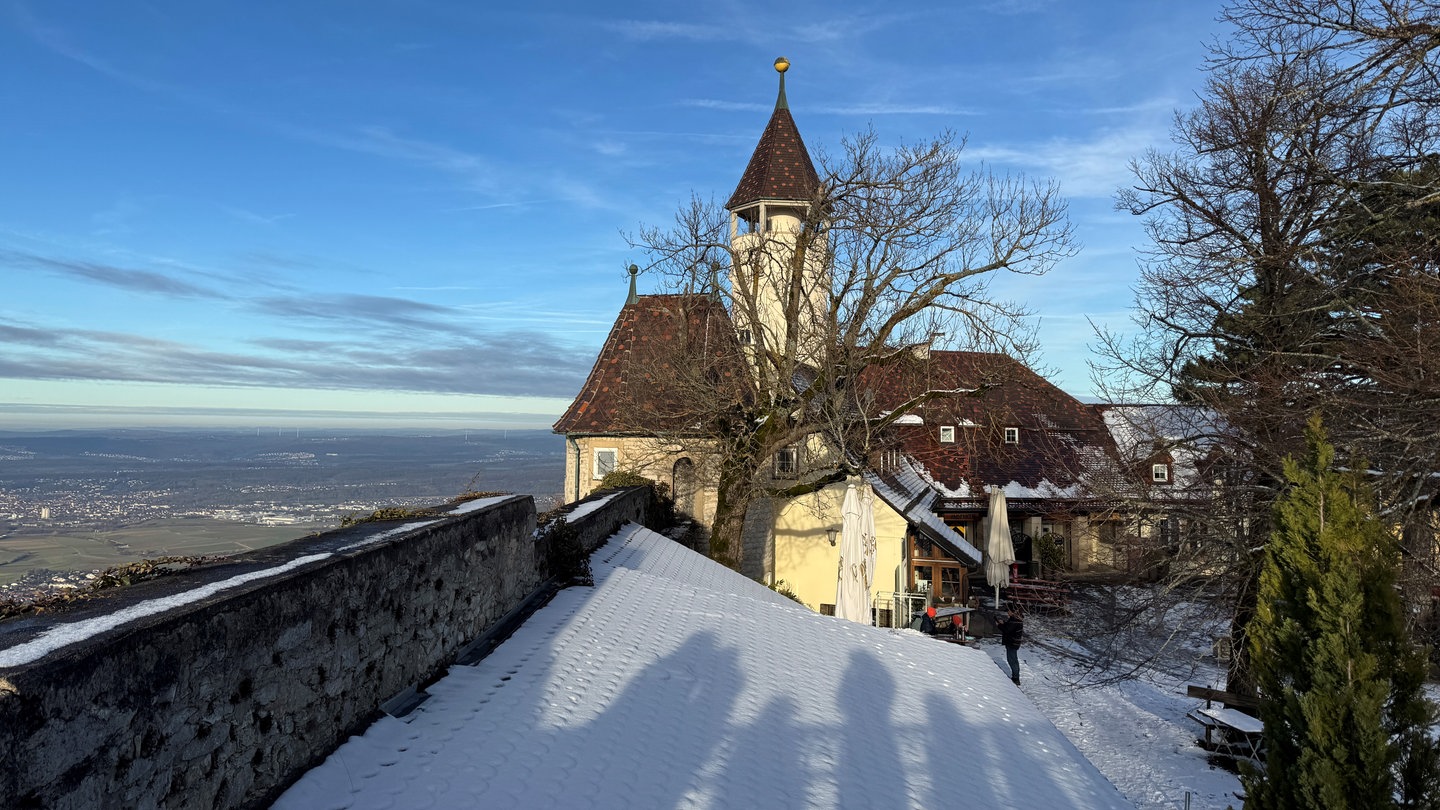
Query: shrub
point(783, 588)
point(384, 514)
point(565, 555)
point(620, 479)
point(1051, 549)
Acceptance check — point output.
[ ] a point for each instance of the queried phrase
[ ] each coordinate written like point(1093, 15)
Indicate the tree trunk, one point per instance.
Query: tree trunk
point(733, 496)
point(1240, 677)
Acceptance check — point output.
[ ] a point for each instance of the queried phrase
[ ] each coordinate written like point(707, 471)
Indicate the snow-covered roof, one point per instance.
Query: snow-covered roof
point(908, 492)
point(675, 682)
point(1187, 434)
point(1136, 428)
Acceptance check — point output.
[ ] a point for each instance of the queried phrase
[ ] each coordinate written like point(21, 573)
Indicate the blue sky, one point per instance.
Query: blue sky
point(413, 212)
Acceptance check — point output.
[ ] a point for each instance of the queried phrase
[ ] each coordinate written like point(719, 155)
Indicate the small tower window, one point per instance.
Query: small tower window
point(1012, 435)
point(947, 434)
point(744, 336)
point(1160, 473)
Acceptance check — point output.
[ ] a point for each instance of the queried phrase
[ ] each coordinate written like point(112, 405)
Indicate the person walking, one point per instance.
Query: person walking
point(1012, 632)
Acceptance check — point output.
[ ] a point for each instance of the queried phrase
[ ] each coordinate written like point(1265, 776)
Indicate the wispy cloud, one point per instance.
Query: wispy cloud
point(370, 139)
point(138, 281)
point(875, 108)
point(1015, 7)
point(476, 170)
point(246, 215)
point(493, 206)
point(514, 363)
point(888, 108)
point(651, 30)
point(118, 218)
point(756, 31)
point(1093, 168)
point(370, 309)
point(59, 42)
point(726, 106)
point(1163, 104)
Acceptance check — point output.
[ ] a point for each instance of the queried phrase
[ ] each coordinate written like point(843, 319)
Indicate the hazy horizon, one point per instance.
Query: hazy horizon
point(35, 418)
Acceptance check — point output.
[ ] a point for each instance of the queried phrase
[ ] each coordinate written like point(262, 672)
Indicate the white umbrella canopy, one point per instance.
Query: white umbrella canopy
point(999, 549)
point(857, 567)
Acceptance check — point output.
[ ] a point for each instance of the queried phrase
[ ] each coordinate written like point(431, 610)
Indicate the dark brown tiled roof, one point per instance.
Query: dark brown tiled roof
point(780, 169)
point(638, 384)
point(1061, 438)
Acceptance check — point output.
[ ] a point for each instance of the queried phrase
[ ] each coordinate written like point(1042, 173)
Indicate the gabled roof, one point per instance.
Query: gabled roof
point(1184, 437)
point(635, 380)
point(780, 168)
point(1062, 441)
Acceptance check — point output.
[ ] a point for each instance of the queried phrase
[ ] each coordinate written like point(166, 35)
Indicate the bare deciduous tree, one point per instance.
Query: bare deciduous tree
point(1275, 284)
point(895, 247)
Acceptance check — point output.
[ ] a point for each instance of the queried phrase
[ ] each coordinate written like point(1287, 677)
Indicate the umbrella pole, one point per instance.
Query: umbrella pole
point(997, 596)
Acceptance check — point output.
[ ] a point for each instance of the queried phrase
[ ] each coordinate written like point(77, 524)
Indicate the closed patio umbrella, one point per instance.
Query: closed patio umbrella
point(852, 591)
point(999, 549)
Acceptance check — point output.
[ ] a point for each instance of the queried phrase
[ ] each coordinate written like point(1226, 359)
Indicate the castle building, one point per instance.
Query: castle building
point(1043, 448)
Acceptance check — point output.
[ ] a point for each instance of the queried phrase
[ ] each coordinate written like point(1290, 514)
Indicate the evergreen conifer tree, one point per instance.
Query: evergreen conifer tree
point(1345, 718)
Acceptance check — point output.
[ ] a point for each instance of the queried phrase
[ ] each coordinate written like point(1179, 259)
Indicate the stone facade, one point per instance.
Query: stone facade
point(653, 458)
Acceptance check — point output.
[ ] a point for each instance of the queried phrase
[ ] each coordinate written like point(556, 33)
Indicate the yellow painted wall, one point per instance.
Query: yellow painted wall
point(804, 558)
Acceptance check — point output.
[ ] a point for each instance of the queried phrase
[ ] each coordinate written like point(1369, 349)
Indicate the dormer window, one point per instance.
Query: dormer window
point(1160, 473)
point(947, 434)
point(1012, 435)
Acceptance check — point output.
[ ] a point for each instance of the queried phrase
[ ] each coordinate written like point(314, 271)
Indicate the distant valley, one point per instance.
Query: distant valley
point(80, 500)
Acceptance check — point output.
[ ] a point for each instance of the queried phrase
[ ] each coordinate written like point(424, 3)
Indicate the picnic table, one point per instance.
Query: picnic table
point(1041, 593)
point(1230, 732)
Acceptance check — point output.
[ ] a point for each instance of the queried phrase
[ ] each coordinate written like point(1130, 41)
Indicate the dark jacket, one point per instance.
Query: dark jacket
point(1012, 631)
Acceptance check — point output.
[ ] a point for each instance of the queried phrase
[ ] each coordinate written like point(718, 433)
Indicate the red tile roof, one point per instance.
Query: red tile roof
point(780, 168)
point(635, 387)
point(1060, 438)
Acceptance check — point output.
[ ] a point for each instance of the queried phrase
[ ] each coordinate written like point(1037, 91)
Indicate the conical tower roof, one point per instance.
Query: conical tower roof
point(780, 169)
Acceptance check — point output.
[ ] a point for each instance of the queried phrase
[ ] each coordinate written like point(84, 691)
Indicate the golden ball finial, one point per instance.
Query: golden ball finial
point(781, 64)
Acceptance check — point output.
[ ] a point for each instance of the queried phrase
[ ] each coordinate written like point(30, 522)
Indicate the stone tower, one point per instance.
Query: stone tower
point(779, 277)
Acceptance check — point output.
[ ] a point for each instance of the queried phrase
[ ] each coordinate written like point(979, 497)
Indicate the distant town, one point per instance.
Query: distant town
point(73, 502)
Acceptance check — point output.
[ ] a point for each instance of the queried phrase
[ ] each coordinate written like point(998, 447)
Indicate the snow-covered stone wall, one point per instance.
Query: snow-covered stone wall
point(219, 686)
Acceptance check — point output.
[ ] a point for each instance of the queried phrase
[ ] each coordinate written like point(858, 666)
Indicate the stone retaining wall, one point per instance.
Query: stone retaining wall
point(218, 687)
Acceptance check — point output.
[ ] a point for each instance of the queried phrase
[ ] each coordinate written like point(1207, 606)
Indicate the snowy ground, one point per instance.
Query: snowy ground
point(676, 683)
point(1133, 730)
point(1131, 724)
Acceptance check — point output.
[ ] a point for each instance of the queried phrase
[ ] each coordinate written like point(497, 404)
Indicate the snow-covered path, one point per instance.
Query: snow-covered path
point(1134, 731)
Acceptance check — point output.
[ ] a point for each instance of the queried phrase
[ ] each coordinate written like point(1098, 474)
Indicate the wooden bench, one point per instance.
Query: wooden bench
point(1228, 699)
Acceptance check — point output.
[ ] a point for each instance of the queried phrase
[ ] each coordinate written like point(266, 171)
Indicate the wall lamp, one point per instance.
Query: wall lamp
point(832, 534)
